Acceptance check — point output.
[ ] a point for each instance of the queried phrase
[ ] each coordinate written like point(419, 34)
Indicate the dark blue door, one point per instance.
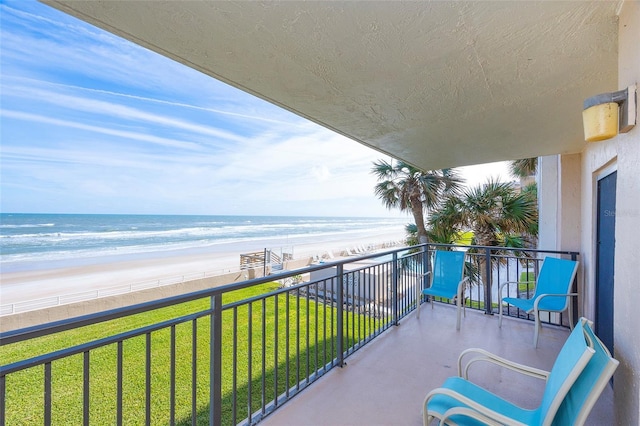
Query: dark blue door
point(605, 256)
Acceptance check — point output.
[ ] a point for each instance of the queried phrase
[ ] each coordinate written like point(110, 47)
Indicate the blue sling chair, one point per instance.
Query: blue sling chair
point(447, 280)
point(552, 292)
point(579, 375)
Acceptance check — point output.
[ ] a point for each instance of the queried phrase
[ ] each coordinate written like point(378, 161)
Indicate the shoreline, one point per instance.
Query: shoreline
point(52, 278)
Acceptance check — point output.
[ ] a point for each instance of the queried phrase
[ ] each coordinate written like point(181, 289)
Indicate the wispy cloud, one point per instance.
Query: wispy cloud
point(119, 111)
point(97, 129)
point(92, 123)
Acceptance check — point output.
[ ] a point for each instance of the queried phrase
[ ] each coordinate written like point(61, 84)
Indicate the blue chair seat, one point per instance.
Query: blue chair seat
point(477, 396)
point(439, 292)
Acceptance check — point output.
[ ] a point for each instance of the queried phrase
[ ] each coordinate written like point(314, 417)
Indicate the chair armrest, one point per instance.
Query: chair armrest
point(461, 284)
point(468, 412)
point(541, 296)
point(493, 415)
point(426, 274)
point(419, 282)
point(482, 355)
point(502, 286)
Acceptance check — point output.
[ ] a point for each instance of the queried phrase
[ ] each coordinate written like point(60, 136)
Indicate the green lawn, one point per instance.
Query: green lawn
point(24, 401)
point(527, 281)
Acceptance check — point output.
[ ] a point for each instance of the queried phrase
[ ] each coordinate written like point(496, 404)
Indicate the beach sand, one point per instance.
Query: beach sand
point(111, 272)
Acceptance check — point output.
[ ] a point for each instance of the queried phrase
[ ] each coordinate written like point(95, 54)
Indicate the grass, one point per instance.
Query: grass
point(279, 344)
point(527, 281)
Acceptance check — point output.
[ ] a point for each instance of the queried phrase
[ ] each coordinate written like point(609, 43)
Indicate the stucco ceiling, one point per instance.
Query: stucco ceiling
point(438, 84)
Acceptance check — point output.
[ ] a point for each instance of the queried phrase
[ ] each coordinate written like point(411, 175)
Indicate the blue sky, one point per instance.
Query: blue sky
point(91, 123)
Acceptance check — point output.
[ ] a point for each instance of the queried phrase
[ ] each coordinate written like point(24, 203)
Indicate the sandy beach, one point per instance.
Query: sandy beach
point(110, 272)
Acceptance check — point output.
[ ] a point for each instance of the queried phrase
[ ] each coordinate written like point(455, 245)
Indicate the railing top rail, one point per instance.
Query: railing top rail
point(497, 248)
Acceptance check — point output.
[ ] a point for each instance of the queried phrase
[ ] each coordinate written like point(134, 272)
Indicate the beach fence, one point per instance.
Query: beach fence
point(47, 302)
point(268, 258)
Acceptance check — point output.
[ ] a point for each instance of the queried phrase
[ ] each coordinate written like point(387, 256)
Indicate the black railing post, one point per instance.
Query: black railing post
point(3, 393)
point(574, 289)
point(394, 287)
point(340, 331)
point(215, 361)
point(426, 268)
point(488, 309)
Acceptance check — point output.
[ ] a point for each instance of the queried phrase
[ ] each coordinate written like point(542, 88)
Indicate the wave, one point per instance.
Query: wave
point(51, 237)
point(269, 241)
point(32, 225)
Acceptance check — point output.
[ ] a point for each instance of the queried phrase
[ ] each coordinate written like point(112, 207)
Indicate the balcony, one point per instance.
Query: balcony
point(341, 337)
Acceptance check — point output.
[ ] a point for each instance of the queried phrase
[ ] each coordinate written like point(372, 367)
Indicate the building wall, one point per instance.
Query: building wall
point(559, 189)
point(568, 218)
point(621, 153)
point(547, 181)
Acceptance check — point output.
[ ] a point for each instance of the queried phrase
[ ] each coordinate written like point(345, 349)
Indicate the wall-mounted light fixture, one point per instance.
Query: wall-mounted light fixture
point(606, 114)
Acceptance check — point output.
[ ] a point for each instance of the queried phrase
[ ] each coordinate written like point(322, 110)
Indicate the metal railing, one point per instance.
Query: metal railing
point(227, 355)
point(487, 267)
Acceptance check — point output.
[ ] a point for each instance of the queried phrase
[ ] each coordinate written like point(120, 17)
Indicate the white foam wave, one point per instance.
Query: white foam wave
point(32, 225)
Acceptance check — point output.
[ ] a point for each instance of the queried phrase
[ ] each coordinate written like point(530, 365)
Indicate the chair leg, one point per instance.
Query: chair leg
point(537, 329)
point(418, 305)
point(570, 315)
point(459, 308)
point(426, 418)
point(500, 314)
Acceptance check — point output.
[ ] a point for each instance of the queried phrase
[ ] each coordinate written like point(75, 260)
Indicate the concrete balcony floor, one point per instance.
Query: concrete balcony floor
point(385, 382)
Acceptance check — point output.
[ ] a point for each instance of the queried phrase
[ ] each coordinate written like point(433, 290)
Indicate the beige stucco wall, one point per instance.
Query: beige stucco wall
point(627, 267)
point(570, 195)
point(567, 187)
point(559, 189)
point(622, 154)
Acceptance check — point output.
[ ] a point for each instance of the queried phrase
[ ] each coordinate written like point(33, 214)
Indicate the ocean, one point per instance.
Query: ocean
point(29, 241)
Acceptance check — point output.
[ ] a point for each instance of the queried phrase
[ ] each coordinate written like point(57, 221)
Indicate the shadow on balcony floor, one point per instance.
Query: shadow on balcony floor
point(385, 382)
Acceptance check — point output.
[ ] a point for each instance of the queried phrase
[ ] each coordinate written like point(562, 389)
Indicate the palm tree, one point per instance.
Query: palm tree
point(495, 212)
point(403, 186)
point(523, 168)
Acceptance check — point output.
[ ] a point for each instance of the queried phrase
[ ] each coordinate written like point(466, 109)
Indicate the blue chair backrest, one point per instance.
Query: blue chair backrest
point(571, 361)
point(555, 277)
point(448, 269)
point(584, 393)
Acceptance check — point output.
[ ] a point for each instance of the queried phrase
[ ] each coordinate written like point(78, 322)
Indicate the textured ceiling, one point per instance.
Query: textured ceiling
point(438, 84)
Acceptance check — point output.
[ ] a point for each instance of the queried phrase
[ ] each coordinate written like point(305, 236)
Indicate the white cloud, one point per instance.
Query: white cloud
point(480, 173)
point(320, 173)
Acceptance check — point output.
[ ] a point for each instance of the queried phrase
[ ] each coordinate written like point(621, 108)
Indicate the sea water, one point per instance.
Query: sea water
point(28, 239)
